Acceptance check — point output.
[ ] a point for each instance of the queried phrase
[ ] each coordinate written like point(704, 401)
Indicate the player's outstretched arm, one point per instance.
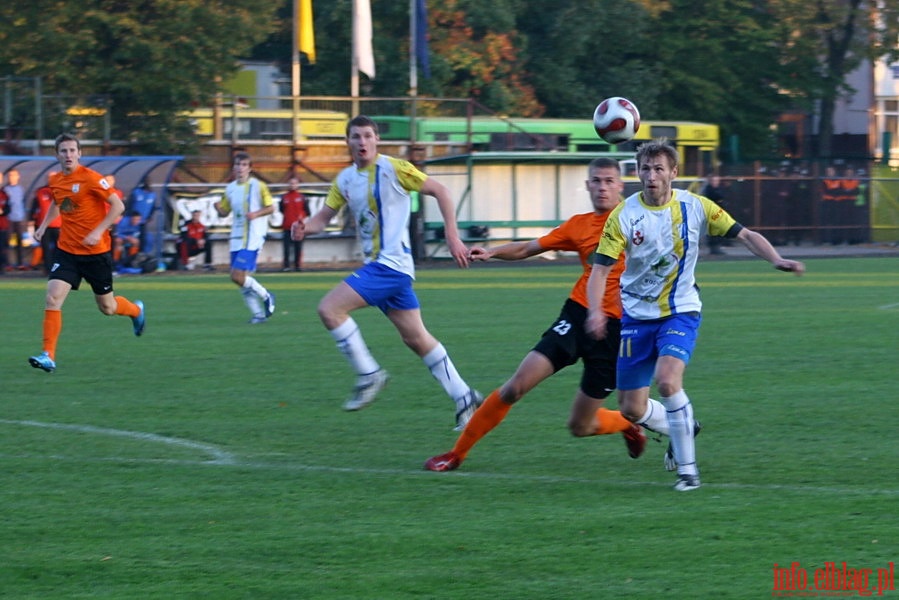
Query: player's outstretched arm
point(510, 251)
point(761, 247)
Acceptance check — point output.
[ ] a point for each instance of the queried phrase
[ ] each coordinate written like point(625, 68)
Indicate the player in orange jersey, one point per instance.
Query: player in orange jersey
point(88, 206)
point(566, 341)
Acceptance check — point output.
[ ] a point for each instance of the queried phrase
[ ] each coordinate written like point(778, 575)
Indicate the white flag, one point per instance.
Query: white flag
point(365, 58)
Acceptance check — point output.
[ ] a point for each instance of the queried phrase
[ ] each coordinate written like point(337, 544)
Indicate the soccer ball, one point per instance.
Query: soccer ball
point(616, 120)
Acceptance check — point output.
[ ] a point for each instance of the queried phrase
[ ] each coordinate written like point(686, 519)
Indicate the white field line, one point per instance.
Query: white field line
point(222, 458)
point(218, 455)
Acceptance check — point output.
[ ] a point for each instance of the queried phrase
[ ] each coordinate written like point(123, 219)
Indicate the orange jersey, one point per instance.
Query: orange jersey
point(581, 234)
point(81, 198)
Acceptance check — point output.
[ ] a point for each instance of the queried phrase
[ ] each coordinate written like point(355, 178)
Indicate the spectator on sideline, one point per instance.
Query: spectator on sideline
point(143, 201)
point(658, 229)
point(375, 188)
point(18, 217)
point(294, 207)
point(194, 240)
point(43, 200)
point(126, 240)
point(4, 232)
point(714, 191)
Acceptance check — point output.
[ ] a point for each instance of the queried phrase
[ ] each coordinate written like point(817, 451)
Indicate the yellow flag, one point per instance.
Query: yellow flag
point(306, 33)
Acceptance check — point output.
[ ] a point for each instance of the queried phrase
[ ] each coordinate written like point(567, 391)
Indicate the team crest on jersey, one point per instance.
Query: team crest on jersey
point(638, 238)
point(76, 187)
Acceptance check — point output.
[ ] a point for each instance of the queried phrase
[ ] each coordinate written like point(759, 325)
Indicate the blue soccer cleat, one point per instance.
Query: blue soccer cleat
point(140, 320)
point(42, 361)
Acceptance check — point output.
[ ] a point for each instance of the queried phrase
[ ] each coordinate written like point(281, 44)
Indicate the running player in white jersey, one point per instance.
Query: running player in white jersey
point(659, 230)
point(375, 189)
point(251, 202)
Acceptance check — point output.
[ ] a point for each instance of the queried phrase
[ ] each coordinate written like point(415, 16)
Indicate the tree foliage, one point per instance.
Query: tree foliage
point(738, 63)
point(825, 41)
point(150, 58)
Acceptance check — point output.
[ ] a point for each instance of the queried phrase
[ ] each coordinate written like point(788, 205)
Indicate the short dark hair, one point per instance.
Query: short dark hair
point(604, 162)
point(239, 156)
point(66, 137)
point(361, 121)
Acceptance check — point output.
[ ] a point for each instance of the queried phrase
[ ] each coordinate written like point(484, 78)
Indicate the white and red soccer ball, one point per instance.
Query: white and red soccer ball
point(616, 120)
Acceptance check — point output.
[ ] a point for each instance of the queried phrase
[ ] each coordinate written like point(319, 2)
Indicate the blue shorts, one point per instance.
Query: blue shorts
point(643, 342)
point(244, 260)
point(383, 287)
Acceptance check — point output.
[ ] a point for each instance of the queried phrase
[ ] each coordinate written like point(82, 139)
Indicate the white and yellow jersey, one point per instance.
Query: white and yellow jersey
point(242, 198)
point(661, 247)
point(378, 197)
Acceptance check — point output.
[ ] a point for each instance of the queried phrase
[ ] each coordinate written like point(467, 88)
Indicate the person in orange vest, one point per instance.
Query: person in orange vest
point(831, 199)
point(849, 214)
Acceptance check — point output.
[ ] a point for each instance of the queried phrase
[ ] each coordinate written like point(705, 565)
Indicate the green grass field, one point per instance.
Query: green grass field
point(211, 459)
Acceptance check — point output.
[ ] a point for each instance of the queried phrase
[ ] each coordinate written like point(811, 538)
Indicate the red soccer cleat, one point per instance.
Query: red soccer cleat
point(445, 462)
point(635, 440)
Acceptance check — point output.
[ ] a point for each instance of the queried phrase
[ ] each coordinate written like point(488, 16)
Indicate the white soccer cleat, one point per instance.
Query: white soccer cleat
point(473, 400)
point(367, 387)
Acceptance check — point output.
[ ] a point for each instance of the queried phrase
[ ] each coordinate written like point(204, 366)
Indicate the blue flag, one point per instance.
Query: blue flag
point(421, 38)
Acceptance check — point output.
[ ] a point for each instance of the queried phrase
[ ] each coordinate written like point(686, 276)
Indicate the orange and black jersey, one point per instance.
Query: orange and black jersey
point(82, 200)
point(581, 234)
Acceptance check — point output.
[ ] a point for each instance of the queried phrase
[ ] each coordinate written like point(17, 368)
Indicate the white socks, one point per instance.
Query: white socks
point(352, 346)
point(680, 425)
point(444, 371)
point(655, 418)
point(253, 295)
point(253, 302)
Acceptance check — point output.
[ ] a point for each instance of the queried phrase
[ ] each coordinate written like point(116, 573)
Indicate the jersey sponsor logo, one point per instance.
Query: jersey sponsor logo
point(67, 205)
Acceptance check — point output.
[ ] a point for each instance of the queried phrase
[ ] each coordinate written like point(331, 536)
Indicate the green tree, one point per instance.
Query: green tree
point(825, 41)
point(579, 52)
point(718, 61)
point(151, 58)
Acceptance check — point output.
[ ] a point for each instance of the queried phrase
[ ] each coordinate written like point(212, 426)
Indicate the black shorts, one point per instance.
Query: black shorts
point(96, 269)
point(566, 341)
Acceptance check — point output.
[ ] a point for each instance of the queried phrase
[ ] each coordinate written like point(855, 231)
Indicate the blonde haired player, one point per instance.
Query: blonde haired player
point(659, 230)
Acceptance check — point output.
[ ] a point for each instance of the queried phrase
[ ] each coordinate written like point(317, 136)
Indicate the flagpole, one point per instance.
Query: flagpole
point(354, 71)
point(295, 73)
point(413, 49)
point(413, 66)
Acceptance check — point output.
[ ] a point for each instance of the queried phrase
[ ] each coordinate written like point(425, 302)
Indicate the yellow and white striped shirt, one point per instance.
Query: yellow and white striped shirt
point(661, 247)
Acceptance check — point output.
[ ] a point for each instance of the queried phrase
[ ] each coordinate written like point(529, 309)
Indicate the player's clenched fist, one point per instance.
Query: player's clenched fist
point(298, 231)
